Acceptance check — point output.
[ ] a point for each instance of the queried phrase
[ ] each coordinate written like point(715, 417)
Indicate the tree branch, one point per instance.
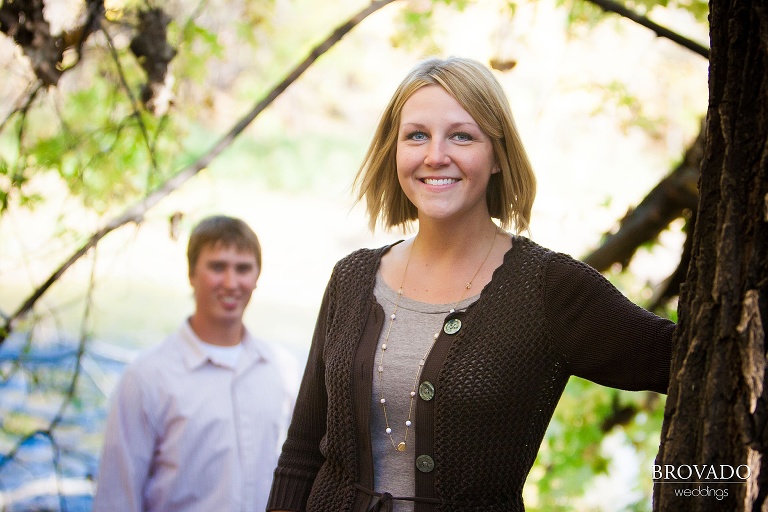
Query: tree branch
point(670, 287)
point(30, 97)
point(136, 212)
point(663, 204)
point(615, 7)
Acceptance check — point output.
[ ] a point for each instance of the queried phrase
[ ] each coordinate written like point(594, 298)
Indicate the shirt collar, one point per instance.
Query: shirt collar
point(254, 349)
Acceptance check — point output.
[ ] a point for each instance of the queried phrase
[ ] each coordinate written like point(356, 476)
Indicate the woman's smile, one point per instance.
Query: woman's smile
point(439, 181)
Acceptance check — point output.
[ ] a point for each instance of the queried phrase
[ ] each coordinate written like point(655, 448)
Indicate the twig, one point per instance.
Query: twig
point(129, 93)
point(70, 394)
point(615, 7)
point(80, 350)
point(35, 88)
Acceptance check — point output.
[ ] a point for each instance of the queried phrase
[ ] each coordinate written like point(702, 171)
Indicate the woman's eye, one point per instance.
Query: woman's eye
point(462, 137)
point(416, 136)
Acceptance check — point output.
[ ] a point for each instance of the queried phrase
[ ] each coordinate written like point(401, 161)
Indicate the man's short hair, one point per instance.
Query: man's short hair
point(223, 230)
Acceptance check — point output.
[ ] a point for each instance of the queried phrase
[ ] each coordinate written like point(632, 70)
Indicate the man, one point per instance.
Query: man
point(196, 423)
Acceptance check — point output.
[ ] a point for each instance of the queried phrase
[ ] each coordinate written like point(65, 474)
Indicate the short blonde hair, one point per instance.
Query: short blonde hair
point(510, 192)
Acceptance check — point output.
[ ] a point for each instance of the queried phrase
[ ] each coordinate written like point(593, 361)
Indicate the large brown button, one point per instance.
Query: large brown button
point(425, 463)
point(426, 391)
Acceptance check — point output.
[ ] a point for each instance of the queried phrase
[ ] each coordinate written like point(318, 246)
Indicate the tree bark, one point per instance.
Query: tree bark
point(716, 410)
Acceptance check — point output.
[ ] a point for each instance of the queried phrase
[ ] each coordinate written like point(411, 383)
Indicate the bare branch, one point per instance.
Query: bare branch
point(670, 287)
point(611, 6)
point(33, 90)
point(70, 393)
point(136, 212)
point(663, 204)
point(80, 35)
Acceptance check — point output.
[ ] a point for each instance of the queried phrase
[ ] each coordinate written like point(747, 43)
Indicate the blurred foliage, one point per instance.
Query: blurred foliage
point(582, 14)
point(628, 109)
point(198, 46)
point(416, 24)
point(573, 453)
point(94, 135)
point(699, 8)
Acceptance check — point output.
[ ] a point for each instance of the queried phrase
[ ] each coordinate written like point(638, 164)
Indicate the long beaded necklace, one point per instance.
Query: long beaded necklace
point(401, 445)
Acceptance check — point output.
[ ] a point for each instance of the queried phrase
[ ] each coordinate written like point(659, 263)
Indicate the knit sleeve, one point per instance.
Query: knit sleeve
point(603, 336)
point(301, 459)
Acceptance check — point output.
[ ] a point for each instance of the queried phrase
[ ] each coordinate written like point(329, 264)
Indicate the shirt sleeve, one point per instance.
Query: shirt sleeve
point(129, 443)
point(301, 458)
point(290, 374)
point(604, 336)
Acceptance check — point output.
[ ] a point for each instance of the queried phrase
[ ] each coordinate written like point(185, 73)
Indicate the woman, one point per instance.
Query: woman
point(437, 362)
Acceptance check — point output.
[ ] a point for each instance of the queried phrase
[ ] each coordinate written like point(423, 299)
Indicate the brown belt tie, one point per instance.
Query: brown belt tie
point(382, 501)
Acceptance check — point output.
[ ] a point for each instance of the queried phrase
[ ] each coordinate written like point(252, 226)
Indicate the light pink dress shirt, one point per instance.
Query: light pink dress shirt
point(187, 434)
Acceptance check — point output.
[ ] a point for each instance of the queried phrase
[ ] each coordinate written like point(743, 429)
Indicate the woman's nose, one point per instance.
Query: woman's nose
point(436, 154)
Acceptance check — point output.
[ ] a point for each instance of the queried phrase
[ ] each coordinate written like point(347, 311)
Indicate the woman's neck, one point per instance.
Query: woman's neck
point(437, 264)
point(451, 241)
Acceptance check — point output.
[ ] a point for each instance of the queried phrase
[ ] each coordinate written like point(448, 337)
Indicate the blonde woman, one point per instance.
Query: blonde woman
point(437, 362)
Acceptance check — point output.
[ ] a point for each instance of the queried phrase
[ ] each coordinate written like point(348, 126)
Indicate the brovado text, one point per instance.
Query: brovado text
point(701, 472)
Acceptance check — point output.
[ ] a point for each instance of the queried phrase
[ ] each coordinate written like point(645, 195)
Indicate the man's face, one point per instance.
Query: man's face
point(223, 280)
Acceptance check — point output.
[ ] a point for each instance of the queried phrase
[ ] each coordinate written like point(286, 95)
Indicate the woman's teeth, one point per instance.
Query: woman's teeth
point(441, 181)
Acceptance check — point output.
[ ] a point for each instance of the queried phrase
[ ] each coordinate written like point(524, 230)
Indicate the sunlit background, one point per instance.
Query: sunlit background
point(605, 110)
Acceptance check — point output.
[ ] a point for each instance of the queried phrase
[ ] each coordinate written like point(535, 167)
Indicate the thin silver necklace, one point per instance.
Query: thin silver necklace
point(382, 400)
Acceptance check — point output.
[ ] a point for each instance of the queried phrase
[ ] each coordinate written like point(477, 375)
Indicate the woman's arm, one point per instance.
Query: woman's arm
point(301, 458)
point(604, 336)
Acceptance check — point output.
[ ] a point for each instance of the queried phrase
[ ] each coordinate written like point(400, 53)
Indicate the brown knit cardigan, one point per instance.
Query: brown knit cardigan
point(543, 317)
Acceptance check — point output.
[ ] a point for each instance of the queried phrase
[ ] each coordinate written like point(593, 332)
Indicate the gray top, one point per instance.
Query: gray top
point(410, 339)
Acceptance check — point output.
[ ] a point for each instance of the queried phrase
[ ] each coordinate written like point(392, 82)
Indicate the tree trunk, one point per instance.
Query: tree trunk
point(717, 410)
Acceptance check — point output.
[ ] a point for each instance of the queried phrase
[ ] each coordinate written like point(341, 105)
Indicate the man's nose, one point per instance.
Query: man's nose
point(230, 278)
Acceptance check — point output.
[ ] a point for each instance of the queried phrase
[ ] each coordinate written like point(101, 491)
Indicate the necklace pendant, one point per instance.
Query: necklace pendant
point(401, 447)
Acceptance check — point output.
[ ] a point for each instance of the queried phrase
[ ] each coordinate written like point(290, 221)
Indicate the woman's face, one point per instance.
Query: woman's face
point(444, 160)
